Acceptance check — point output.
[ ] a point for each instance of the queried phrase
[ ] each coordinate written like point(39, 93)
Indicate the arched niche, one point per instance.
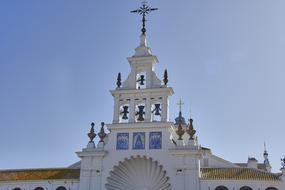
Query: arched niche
point(39, 188)
point(271, 188)
point(61, 188)
point(221, 187)
point(246, 188)
point(17, 188)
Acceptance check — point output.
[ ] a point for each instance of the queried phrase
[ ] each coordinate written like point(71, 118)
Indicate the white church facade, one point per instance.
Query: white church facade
point(143, 149)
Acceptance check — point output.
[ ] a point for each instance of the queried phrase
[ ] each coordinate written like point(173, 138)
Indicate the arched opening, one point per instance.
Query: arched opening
point(156, 111)
point(124, 114)
point(271, 188)
point(140, 112)
point(246, 188)
point(221, 188)
point(141, 80)
point(17, 188)
point(153, 175)
point(39, 188)
point(61, 188)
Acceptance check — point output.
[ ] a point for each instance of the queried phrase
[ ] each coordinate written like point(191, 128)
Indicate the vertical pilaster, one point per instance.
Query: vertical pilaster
point(132, 111)
point(148, 78)
point(148, 110)
point(91, 169)
point(133, 78)
point(116, 110)
point(164, 109)
point(187, 168)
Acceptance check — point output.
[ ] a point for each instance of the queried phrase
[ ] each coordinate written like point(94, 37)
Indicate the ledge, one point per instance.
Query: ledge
point(137, 125)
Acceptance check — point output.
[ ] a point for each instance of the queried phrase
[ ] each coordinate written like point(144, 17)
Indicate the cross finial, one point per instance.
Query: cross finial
point(265, 147)
point(144, 10)
point(180, 104)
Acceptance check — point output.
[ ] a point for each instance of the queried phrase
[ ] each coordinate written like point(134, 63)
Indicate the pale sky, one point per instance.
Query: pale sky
point(59, 59)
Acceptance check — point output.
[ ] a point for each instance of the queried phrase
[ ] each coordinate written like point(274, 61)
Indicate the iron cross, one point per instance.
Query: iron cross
point(144, 10)
point(180, 103)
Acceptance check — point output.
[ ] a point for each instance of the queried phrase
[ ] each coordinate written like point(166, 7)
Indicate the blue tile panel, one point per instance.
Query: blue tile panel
point(122, 141)
point(139, 140)
point(155, 140)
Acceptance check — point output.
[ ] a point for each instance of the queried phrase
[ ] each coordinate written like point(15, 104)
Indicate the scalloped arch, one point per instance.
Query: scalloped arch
point(138, 173)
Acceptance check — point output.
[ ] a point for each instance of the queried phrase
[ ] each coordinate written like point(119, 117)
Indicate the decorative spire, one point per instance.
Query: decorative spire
point(180, 119)
point(265, 154)
point(191, 131)
point(92, 133)
point(119, 80)
point(283, 162)
point(180, 131)
point(165, 77)
point(266, 160)
point(144, 10)
point(102, 133)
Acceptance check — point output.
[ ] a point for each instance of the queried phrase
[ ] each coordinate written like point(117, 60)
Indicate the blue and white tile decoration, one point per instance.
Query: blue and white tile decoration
point(139, 140)
point(122, 141)
point(155, 140)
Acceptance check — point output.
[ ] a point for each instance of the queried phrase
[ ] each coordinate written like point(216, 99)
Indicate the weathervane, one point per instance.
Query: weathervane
point(144, 10)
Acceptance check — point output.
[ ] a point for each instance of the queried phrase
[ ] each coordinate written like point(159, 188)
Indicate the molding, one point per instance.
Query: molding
point(139, 125)
point(143, 92)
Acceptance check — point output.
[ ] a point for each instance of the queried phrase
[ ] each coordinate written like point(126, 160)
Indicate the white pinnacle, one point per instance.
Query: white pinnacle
point(142, 50)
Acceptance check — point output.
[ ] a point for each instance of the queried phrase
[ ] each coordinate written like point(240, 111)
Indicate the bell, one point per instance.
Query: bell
point(140, 113)
point(141, 80)
point(125, 112)
point(156, 109)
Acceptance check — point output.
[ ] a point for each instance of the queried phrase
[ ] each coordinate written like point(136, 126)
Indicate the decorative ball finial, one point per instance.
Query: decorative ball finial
point(180, 131)
point(165, 77)
point(102, 133)
point(119, 80)
point(92, 133)
point(191, 131)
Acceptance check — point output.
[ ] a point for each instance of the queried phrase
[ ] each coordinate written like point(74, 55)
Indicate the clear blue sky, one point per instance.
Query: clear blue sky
point(59, 59)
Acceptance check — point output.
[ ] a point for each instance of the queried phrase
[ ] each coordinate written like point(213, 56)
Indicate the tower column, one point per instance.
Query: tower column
point(148, 78)
point(116, 110)
point(147, 110)
point(164, 109)
point(132, 111)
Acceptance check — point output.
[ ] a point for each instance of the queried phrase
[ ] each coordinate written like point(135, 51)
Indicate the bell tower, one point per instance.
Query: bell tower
point(142, 97)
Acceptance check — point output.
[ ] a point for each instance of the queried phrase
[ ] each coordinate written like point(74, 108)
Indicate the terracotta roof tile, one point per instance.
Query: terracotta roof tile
point(39, 174)
point(237, 174)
